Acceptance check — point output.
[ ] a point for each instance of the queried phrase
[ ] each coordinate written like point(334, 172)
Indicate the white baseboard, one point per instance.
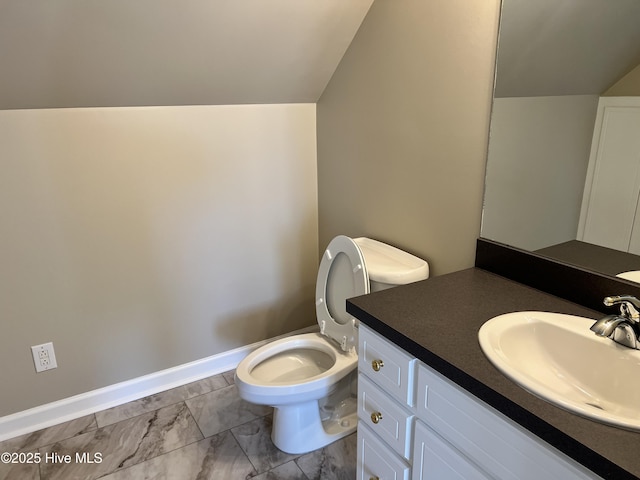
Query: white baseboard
point(87, 403)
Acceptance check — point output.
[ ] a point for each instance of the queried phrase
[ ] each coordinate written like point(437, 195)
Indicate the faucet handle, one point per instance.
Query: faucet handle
point(625, 335)
point(629, 305)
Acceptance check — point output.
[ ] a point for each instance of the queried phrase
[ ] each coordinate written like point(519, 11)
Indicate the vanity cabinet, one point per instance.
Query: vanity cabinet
point(386, 401)
point(415, 424)
point(436, 458)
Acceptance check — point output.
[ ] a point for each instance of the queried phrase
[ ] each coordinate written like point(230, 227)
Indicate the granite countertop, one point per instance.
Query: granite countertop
point(437, 321)
point(594, 257)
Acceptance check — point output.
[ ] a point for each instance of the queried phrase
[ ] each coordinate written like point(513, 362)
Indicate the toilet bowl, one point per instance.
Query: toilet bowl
point(310, 379)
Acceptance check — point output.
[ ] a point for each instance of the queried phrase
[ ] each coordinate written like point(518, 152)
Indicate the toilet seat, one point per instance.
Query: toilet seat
point(342, 274)
point(290, 391)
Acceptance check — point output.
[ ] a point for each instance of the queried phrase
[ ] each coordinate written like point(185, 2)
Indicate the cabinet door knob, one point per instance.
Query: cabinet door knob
point(377, 365)
point(376, 417)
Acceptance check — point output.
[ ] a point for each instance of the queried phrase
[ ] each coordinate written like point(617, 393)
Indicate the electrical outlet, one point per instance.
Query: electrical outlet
point(44, 358)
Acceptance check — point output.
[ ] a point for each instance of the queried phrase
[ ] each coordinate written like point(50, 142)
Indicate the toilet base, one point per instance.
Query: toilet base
point(300, 429)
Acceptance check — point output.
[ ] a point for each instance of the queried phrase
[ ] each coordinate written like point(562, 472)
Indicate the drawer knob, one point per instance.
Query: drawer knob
point(374, 478)
point(376, 417)
point(377, 365)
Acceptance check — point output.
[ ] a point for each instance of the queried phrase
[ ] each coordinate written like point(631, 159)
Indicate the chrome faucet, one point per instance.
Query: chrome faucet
point(623, 328)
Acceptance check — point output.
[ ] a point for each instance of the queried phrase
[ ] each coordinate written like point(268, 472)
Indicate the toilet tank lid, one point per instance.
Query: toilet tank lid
point(387, 264)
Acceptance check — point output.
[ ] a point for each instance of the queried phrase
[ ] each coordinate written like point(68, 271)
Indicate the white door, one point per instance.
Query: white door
point(612, 187)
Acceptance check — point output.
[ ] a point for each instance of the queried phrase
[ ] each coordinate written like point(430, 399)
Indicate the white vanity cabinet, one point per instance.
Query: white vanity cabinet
point(434, 458)
point(414, 424)
point(386, 398)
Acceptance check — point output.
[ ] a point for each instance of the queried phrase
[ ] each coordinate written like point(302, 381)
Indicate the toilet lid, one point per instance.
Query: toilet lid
point(342, 274)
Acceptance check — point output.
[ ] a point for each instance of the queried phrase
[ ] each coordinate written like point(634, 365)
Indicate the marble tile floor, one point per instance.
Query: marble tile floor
point(202, 430)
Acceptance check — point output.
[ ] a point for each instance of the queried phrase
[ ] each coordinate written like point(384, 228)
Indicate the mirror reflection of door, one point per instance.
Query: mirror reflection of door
point(612, 188)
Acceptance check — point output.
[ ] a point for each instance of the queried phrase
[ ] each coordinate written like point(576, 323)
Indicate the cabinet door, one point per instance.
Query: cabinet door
point(488, 439)
point(612, 187)
point(376, 460)
point(435, 459)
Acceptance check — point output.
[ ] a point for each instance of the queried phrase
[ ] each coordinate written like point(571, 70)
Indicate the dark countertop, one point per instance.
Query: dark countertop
point(594, 257)
point(437, 321)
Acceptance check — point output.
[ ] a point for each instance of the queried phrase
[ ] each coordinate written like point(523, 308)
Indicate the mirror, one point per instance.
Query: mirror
point(555, 59)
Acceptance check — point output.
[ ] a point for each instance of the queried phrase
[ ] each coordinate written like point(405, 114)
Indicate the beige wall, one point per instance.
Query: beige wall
point(627, 86)
point(538, 159)
point(402, 129)
point(138, 239)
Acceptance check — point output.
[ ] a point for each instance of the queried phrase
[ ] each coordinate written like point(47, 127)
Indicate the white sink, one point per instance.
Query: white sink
point(557, 358)
point(633, 275)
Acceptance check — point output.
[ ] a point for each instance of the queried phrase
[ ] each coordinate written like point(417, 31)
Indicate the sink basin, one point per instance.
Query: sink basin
point(633, 275)
point(557, 358)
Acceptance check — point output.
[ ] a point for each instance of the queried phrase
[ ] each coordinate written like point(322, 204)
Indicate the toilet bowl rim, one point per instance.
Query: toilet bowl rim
point(315, 341)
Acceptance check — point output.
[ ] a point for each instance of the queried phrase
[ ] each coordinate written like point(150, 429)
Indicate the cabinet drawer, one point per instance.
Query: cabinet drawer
point(375, 461)
point(387, 365)
point(495, 443)
point(435, 459)
point(384, 416)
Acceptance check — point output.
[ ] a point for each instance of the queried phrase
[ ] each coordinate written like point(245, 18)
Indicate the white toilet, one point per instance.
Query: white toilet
point(311, 379)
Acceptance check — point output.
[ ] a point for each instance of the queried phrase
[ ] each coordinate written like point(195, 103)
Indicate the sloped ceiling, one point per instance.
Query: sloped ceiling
point(566, 47)
point(81, 53)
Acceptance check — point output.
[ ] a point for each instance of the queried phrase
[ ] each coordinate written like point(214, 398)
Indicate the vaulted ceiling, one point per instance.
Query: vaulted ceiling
point(81, 53)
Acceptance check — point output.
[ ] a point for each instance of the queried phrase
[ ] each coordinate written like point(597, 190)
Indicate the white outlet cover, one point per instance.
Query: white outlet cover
point(44, 357)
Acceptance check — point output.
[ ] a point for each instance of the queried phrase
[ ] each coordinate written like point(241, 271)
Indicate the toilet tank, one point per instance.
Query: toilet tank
point(389, 266)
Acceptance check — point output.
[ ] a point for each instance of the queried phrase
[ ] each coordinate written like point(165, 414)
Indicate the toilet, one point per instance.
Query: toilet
point(311, 379)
